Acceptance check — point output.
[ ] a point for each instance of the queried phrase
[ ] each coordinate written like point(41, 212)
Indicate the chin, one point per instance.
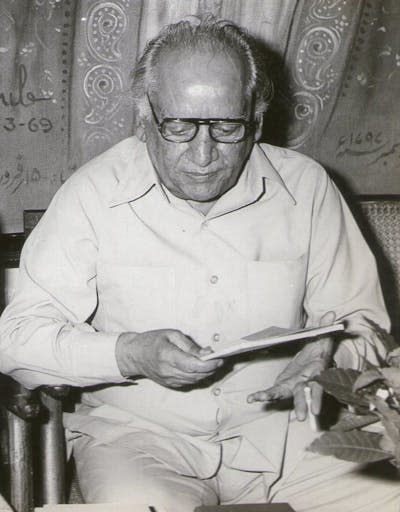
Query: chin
point(203, 194)
point(202, 198)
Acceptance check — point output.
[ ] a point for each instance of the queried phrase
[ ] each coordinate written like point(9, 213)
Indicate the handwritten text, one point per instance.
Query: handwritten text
point(34, 124)
point(12, 179)
point(20, 96)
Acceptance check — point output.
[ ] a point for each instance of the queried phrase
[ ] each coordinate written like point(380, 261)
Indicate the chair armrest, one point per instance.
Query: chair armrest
point(45, 406)
point(22, 402)
point(58, 392)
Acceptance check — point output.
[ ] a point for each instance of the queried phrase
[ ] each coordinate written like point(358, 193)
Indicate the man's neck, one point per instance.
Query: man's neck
point(199, 206)
point(202, 207)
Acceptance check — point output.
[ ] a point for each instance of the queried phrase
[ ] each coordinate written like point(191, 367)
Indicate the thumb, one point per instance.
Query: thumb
point(183, 342)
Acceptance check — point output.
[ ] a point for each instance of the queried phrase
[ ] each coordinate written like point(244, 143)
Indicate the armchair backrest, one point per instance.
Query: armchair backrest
point(21, 406)
point(379, 219)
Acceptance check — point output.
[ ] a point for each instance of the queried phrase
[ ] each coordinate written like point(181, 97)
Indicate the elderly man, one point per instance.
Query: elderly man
point(170, 242)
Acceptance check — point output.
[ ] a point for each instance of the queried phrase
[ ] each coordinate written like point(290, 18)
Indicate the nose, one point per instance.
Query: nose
point(202, 149)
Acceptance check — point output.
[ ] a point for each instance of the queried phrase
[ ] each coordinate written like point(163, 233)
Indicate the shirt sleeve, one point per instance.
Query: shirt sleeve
point(45, 334)
point(343, 277)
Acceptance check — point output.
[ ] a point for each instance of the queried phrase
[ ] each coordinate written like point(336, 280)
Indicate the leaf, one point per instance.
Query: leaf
point(339, 383)
point(350, 421)
point(387, 444)
point(367, 365)
point(390, 418)
point(356, 446)
point(366, 378)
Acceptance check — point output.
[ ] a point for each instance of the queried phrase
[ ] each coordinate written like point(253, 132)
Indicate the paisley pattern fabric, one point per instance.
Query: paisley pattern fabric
point(35, 73)
point(323, 35)
point(112, 34)
point(64, 85)
point(344, 61)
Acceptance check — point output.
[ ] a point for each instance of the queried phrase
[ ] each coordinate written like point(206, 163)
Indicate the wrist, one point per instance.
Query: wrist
point(125, 354)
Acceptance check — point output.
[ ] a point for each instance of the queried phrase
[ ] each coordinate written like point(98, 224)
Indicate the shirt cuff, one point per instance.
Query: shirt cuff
point(95, 358)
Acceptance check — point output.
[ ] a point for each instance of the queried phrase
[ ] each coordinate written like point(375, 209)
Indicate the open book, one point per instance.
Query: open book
point(270, 337)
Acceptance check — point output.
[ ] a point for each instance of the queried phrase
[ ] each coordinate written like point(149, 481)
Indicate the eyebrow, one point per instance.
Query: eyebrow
point(170, 118)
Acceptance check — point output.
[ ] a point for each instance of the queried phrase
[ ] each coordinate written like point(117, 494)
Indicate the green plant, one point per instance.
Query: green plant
point(369, 429)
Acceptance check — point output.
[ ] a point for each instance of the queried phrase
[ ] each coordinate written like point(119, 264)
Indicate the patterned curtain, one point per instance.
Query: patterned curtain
point(35, 64)
point(343, 98)
point(66, 65)
point(64, 85)
point(108, 38)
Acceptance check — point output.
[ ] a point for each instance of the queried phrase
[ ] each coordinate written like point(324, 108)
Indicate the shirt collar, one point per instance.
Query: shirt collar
point(138, 177)
point(256, 183)
point(261, 166)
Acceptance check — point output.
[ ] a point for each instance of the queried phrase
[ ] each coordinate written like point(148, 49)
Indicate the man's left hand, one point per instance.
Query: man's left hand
point(309, 362)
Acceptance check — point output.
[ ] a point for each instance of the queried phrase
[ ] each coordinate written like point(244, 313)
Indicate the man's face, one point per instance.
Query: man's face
point(199, 85)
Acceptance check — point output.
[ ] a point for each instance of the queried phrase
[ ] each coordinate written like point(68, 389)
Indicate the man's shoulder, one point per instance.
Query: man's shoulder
point(111, 164)
point(102, 174)
point(295, 168)
point(282, 158)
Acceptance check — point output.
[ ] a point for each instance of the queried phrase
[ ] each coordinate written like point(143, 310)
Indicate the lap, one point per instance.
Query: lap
point(112, 474)
point(308, 481)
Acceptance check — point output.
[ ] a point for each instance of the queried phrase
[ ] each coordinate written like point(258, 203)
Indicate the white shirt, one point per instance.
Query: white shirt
point(116, 252)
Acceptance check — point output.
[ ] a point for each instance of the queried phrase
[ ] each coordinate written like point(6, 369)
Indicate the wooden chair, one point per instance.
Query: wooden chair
point(23, 408)
point(379, 219)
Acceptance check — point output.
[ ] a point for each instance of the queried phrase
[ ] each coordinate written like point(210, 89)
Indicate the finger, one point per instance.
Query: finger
point(193, 351)
point(186, 354)
point(183, 342)
point(204, 351)
point(303, 406)
point(270, 395)
point(259, 396)
point(316, 397)
point(185, 379)
point(299, 401)
point(189, 363)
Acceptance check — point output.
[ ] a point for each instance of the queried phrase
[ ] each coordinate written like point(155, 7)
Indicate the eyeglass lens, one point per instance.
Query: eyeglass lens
point(221, 131)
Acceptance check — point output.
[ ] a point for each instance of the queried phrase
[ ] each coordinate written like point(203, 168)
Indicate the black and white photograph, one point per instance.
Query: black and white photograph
point(199, 255)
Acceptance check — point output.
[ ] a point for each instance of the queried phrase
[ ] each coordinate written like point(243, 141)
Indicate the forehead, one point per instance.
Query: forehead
point(201, 84)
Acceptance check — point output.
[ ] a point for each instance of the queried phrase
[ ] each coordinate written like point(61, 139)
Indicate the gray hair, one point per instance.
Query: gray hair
point(207, 33)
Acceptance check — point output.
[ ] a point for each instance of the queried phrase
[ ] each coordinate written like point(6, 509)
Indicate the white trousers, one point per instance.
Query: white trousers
point(308, 482)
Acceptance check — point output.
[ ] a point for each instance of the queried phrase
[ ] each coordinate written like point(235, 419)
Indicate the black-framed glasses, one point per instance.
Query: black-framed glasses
point(227, 131)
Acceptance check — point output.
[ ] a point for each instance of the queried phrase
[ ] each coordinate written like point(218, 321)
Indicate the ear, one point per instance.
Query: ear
point(259, 127)
point(141, 131)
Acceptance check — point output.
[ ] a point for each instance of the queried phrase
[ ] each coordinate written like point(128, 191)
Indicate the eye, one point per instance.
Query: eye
point(225, 129)
point(177, 128)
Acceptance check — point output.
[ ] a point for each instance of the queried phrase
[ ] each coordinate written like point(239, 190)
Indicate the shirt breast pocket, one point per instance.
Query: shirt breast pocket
point(276, 291)
point(136, 298)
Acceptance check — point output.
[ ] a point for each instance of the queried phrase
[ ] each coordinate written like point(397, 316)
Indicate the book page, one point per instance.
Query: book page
point(269, 337)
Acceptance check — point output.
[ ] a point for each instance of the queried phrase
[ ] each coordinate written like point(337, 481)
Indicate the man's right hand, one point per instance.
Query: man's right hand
point(166, 356)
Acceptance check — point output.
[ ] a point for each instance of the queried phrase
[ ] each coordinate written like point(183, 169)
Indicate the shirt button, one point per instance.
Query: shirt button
point(216, 336)
point(216, 391)
point(214, 279)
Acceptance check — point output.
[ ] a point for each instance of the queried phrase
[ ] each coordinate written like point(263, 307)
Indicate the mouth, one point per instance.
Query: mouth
point(200, 176)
